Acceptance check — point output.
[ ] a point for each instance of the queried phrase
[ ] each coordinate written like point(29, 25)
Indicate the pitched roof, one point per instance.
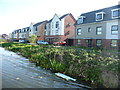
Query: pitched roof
point(64, 16)
point(90, 16)
point(50, 20)
point(37, 24)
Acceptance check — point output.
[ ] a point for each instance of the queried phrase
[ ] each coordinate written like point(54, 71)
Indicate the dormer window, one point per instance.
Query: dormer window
point(116, 13)
point(99, 16)
point(80, 19)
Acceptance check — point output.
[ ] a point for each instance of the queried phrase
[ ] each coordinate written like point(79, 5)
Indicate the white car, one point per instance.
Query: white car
point(42, 42)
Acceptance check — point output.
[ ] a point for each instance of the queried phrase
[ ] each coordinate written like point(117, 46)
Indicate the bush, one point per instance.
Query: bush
point(83, 63)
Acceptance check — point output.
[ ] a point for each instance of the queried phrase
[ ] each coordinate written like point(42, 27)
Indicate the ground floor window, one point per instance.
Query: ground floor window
point(113, 43)
point(98, 43)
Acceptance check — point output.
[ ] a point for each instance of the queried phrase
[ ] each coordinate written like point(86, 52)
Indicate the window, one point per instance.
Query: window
point(114, 29)
point(115, 13)
point(68, 25)
point(45, 26)
point(24, 30)
point(89, 29)
point(45, 33)
point(79, 31)
point(52, 25)
point(35, 28)
point(49, 25)
point(30, 30)
point(113, 43)
point(98, 43)
point(78, 41)
point(80, 19)
point(99, 16)
point(57, 24)
point(27, 29)
point(67, 33)
point(20, 31)
point(99, 30)
point(56, 31)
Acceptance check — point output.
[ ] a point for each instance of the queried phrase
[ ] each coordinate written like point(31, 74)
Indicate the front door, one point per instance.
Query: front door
point(90, 43)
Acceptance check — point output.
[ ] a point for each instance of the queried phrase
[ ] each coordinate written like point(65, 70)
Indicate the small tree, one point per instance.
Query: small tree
point(32, 39)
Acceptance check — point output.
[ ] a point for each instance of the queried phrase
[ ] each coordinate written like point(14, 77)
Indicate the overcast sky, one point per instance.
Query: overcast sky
point(15, 14)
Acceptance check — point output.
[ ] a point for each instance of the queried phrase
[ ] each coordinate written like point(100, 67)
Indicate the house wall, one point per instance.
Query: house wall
point(40, 32)
point(32, 30)
point(53, 26)
point(47, 30)
point(91, 35)
point(67, 28)
point(108, 29)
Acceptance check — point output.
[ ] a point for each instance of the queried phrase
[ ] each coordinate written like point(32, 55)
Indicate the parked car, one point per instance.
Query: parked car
point(21, 41)
point(62, 43)
point(41, 42)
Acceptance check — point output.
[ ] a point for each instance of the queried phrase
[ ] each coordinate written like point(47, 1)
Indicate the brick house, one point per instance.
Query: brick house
point(15, 35)
point(38, 30)
point(59, 28)
point(100, 28)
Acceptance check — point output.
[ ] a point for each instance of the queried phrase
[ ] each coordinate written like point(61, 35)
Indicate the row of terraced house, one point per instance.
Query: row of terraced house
point(99, 28)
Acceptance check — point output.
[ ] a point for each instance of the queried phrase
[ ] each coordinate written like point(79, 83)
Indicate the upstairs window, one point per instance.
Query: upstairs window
point(99, 16)
point(35, 28)
point(79, 31)
point(68, 25)
point(115, 13)
point(99, 30)
point(89, 29)
point(20, 31)
point(67, 33)
point(30, 30)
point(80, 19)
point(49, 25)
point(114, 29)
point(57, 24)
point(45, 26)
point(52, 25)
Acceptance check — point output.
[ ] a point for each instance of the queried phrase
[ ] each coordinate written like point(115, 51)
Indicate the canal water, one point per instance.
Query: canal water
point(18, 72)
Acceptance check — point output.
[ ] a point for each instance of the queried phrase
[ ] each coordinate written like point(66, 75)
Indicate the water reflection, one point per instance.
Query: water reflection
point(18, 72)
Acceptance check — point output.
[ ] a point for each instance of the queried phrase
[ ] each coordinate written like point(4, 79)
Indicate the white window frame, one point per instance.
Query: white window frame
point(98, 32)
point(79, 32)
point(114, 44)
point(98, 44)
point(114, 30)
point(79, 42)
point(113, 11)
point(102, 13)
point(81, 17)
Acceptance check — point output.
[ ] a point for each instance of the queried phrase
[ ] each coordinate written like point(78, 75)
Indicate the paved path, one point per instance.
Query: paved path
point(18, 72)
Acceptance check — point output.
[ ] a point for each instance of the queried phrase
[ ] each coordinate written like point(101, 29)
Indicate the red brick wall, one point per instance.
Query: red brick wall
point(41, 31)
point(68, 19)
point(106, 43)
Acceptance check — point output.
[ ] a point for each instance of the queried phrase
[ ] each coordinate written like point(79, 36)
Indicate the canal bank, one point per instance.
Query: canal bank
point(85, 65)
point(18, 72)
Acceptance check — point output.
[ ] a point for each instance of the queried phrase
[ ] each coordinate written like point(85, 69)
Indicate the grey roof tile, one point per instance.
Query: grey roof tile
point(90, 17)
